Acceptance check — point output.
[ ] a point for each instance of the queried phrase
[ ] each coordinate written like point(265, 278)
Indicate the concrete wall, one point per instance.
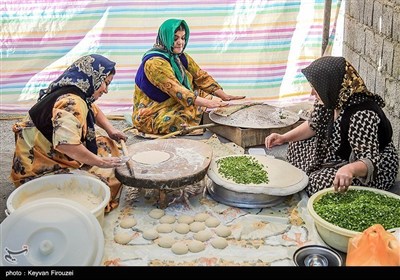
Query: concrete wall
point(371, 42)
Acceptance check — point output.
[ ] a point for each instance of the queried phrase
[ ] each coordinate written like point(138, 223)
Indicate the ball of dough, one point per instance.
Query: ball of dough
point(122, 238)
point(165, 242)
point(201, 217)
point(164, 228)
point(179, 248)
point(127, 222)
point(156, 213)
point(185, 219)
point(196, 226)
point(196, 246)
point(212, 222)
point(203, 235)
point(219, 243)
point(167, 219)
point(223, 231)
point(150, 234)
point(182, 228)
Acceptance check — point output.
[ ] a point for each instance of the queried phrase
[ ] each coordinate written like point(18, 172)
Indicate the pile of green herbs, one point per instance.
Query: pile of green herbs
point(243, 170)
point(357, 210)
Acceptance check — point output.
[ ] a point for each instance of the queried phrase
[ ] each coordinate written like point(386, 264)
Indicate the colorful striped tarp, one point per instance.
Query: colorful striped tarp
point(253, 48)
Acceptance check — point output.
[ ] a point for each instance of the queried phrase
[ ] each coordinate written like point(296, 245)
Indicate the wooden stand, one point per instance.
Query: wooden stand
point(245, 137)
point(188, 164)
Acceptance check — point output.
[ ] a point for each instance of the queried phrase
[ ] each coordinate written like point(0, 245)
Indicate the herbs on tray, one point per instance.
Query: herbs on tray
point(243, 170)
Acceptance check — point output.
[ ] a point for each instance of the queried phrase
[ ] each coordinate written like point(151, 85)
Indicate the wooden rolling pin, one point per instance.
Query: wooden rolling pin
point(129, 162)
point(186, 130)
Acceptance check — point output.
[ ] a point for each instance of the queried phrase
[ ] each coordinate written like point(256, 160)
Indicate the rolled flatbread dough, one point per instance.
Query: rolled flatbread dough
point(151, 157)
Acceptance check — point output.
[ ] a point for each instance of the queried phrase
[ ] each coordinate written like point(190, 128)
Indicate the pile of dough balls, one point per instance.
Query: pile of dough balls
point(202, 225)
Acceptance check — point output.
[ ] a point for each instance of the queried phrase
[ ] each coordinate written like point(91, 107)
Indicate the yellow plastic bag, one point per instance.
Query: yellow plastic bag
point(373, 247)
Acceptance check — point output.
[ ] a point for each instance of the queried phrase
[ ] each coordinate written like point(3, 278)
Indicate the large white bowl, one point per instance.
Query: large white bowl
point(335, 236)
point(78, 184)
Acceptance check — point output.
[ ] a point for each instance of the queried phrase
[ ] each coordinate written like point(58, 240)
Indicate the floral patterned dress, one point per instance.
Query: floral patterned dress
point(168, 116)
point(35, 156)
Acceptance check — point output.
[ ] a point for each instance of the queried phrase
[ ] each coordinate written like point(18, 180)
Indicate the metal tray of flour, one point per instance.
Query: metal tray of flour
point(257, 116)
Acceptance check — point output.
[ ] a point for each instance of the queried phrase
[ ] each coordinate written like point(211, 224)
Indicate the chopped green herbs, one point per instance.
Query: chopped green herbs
point(357, 210)
point(242, 170)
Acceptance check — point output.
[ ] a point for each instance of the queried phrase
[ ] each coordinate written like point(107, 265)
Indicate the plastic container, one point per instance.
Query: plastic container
point(335, 236)
point(51, 232)
point(86, 190)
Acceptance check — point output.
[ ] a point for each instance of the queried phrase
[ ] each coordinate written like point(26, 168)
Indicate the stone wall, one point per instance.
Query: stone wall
point(371, 42)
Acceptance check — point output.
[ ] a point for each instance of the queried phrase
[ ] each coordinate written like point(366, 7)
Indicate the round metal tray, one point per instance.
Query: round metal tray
point(242, 199)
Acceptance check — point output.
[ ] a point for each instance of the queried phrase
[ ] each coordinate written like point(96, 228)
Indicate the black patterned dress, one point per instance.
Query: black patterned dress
point(317, 156)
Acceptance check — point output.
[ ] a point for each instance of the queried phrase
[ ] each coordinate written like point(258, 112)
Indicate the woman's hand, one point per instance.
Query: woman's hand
point(110, 162)
point(274, 139)
point(215, 102)
point(116, 135)
point(343, 178)
point(227, 97)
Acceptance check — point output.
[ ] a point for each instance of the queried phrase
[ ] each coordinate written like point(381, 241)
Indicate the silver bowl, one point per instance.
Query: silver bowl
point(242, 199)
point(316, 255)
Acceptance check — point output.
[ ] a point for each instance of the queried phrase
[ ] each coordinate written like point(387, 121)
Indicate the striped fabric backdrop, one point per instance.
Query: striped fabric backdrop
point(251, 47)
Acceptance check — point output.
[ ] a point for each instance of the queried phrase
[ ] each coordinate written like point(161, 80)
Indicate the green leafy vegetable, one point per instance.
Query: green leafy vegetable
point(357, 210)
point(243, 170)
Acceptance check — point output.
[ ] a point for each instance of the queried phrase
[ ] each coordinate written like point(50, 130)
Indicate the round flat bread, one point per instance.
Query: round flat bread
point(151, 157)
point(284, 178)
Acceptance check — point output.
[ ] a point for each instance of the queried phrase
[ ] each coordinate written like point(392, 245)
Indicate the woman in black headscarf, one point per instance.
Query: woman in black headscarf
point(348, 139)
point(58, 135)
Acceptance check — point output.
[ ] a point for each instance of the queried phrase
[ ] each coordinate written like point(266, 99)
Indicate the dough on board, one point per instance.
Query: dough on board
point(127, 222)
point(151, 157)
point(156, 213)
point(196, 246)
point(150, 234)
point(219, 243)
point(122, 238)
point(179, 248)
